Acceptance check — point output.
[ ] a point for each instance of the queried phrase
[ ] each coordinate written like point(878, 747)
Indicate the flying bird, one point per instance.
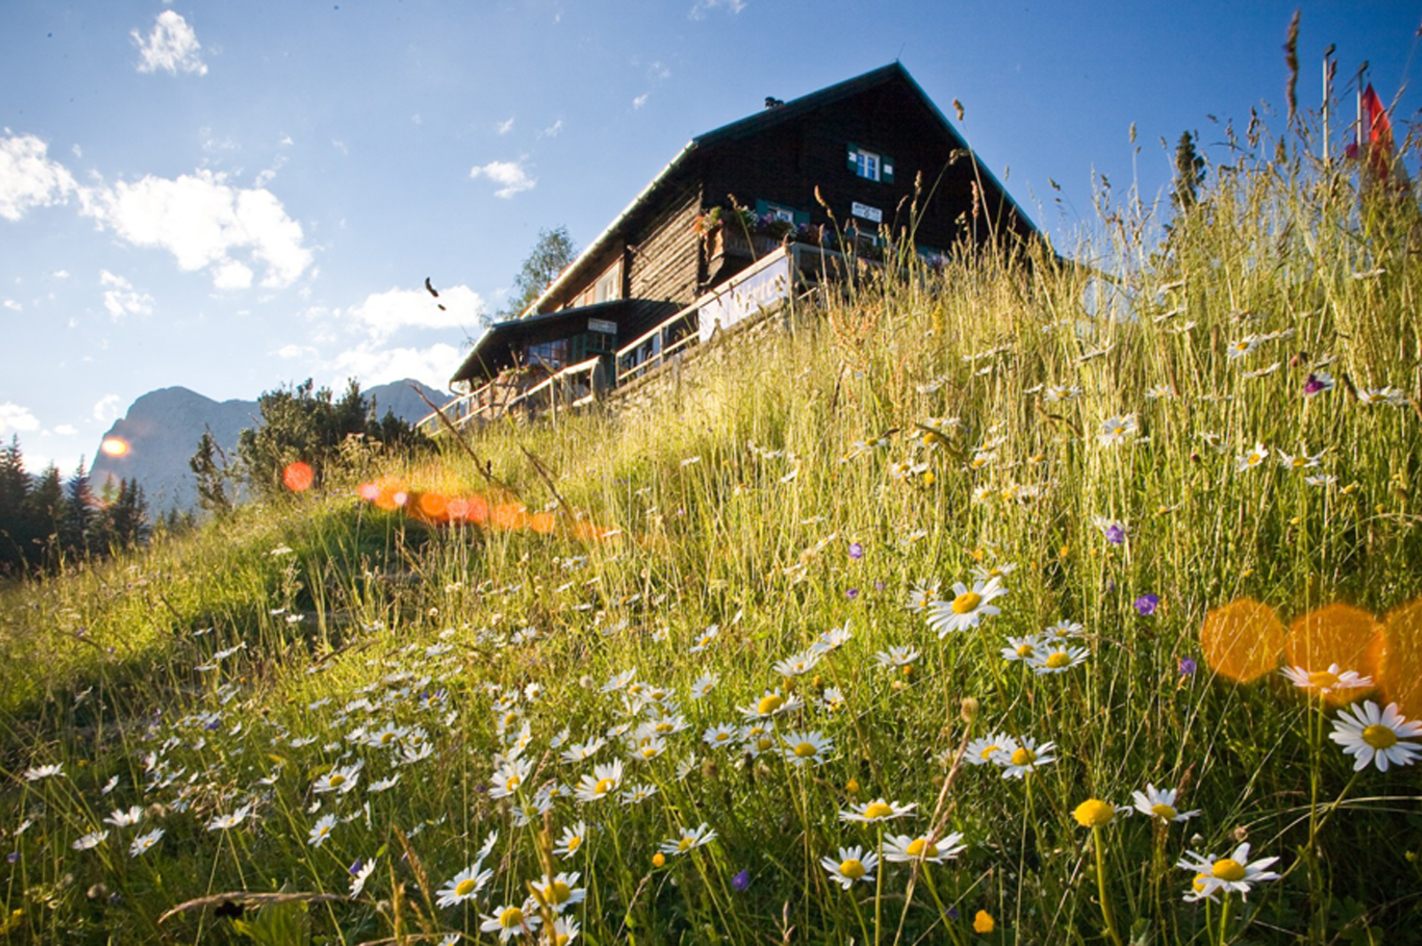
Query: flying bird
point(435, 293)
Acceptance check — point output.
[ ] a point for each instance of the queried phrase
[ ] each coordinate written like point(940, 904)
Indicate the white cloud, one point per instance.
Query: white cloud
point(552, 130)
point(505, 127)
point(201, 220)
point(12, 305)
point(28, 178)
point(108, 409)
point(509, 174)
point(66, 430)
point(640, 100)
point(17, 419)
point(373, 365)
point(232, 275)
point(701, 7)
point(290, 352)
point(120, 298)
point(384, 313)
point(172, 47)
point(60, 274)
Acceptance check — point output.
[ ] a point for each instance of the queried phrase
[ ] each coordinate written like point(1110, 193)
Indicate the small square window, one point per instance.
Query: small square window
point(866, 165)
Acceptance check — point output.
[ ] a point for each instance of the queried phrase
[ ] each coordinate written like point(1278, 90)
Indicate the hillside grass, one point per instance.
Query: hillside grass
point(914, 429)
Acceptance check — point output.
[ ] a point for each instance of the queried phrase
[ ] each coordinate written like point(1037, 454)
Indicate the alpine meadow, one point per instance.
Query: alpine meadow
point(1018, 597)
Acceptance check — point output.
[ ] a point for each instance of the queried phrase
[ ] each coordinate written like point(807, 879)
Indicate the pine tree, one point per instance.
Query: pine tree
point(124, 522)
point(77, 524)
point(14, 491)
point(45, 510)
point(1189, 174)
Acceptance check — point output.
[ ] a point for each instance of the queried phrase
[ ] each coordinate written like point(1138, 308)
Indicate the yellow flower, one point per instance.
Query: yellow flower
point(983, 923)
point(1093, 813)
point(659, 859)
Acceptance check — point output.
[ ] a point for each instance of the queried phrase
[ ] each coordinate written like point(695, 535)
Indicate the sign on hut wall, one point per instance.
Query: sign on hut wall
point(744, 298)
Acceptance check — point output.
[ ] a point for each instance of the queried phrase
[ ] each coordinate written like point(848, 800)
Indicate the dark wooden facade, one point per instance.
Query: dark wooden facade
point(872, 146)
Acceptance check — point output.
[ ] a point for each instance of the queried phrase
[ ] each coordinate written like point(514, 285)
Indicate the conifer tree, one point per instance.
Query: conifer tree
point(14, 490)
point(45, 510)
point(76, 526)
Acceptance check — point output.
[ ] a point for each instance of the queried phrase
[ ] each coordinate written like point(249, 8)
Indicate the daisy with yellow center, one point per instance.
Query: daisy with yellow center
point(1056, 660)
point(604, 781)
point(464, 885)
point(906, 848)
point(851, 865)
point(572, 840)
point(806, 748)
point(1333, 681)
point(561, 892)
point(511, 920)
point(688, 840)
point(1253, 458)
point(1018, 759)
point(968, 607)
point(1159, 804)
point(1021, 648)
point(981, 751)
point(771, 703)
point(877, 810)
point(1233, 874)
point(1377, 737)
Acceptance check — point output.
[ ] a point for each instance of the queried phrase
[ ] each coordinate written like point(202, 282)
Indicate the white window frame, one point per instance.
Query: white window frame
point(868, 164)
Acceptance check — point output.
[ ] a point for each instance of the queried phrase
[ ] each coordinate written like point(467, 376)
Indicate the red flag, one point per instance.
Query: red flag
point(1379, 133)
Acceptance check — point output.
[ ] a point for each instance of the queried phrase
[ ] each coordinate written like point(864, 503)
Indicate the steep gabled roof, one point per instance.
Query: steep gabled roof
point(755, 124)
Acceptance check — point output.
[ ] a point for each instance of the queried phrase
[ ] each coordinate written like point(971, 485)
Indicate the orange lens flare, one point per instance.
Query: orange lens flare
point(115, 447)
point(1400, 664)
point(298, 477)
point(1242, 640)
point(439, 506)
point(1335, 634)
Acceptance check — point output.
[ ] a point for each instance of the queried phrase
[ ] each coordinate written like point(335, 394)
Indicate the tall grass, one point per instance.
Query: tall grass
point(917, 425)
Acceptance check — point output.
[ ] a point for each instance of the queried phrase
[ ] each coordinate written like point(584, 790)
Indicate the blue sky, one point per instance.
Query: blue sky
point(230, 196)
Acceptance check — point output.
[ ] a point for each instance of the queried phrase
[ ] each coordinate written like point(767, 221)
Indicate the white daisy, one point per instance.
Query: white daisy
point(851, 865)
point(906, 848)
point(877, 810)
point(806, 748)
point(966, 609)
point(321, 831)
point(1377, 737)
point(144, 842)
point(1025, 757)
point(1332, 680)
point(464, 885)
point(1232, 874)
point(510, 920)
point(1160, 803)
point(688, 840)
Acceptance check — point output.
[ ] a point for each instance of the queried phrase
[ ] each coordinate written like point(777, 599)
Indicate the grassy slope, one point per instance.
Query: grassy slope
point(738, 499)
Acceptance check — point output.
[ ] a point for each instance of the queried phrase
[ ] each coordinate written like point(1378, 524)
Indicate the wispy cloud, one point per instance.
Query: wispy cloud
point(29, 177)
point(504, 127)
point(552, 130)
point(202, 220)
point(375, 365)
point(108, 409)
point(384, 313)
point(702, 7)
point(172, 46)
point(17, 419)
point(121, 299)
point(510, 175)
point(640, 100)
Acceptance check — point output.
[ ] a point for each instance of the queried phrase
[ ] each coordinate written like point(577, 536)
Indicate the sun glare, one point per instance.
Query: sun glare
point(114, 447)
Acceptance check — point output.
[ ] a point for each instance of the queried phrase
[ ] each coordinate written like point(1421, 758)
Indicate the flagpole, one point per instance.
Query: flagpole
point(1327, 99)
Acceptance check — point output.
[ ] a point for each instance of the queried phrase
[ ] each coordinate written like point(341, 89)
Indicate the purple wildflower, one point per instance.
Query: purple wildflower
point(1187, 667)
point(741, 881)
point(1116, 534)
point(852, 593)
point(1318, 383)
point(1146, 604)
point(13, 856)
point(856, 551)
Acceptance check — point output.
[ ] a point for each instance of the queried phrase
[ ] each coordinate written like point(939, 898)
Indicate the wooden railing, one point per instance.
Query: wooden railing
point(648, 351)
point(654, 347)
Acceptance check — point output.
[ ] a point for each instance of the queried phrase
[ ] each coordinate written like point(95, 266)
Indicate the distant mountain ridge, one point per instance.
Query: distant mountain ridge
point(162, 429)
